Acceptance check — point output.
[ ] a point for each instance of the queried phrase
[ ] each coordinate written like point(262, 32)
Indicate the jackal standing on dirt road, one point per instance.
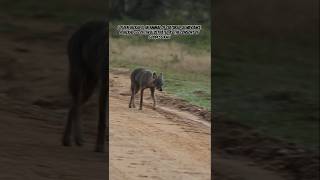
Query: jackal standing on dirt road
point(88, 53)
point(142, 79)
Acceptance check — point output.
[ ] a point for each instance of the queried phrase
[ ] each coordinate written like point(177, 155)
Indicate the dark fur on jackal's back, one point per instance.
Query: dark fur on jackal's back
point(88, 59)
point(142, 79)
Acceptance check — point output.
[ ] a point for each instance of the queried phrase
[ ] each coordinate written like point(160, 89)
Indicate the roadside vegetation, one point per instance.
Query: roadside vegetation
point(184, 60)
point(186, 75)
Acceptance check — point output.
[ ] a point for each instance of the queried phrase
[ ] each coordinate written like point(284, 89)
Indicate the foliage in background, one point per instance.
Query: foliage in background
point(185, 60)
point(265, 71)
point(266, 66)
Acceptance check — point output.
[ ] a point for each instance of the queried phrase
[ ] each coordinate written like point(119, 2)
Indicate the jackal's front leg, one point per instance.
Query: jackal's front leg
point(153, 98)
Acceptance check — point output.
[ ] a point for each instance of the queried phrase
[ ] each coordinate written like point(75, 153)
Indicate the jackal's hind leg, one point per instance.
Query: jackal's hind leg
point(141, 99)
point(136, 89)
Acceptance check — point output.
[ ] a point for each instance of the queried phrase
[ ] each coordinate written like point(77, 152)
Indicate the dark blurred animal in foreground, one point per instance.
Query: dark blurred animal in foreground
point(88, 61)
point(142, 79)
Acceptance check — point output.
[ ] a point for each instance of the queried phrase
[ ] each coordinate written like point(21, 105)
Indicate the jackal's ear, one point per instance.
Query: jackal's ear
point(154, 75)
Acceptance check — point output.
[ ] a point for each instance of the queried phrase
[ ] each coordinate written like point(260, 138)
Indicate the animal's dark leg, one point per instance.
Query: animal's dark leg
point(153, 98)
point(73, 115)
point(66, 141)
point(100, 146)
point(89, 85)
point(141, 99)
point(77, 135)
point(136, 89)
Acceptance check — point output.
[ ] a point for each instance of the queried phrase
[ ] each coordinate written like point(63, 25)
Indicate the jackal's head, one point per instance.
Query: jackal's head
point(158, 81)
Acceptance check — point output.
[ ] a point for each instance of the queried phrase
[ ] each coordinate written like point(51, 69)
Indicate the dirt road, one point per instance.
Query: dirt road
point(155, 144)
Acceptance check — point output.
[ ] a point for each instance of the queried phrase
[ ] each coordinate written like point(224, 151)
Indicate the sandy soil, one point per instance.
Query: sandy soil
point(155, 144)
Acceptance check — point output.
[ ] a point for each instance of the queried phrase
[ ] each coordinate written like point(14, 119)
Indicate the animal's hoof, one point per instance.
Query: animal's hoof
point(100, 148)
point(140, 108)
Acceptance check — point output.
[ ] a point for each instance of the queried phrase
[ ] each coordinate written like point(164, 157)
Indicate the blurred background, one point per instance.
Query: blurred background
point(266, 67)
point(34, 98)
point(266, 82)
point(265, 78)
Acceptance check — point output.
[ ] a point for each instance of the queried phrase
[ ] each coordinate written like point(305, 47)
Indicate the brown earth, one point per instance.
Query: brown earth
point(171, 142)
point(155, 144)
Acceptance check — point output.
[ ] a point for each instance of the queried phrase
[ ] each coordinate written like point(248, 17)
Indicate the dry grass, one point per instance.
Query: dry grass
point(163, 55)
